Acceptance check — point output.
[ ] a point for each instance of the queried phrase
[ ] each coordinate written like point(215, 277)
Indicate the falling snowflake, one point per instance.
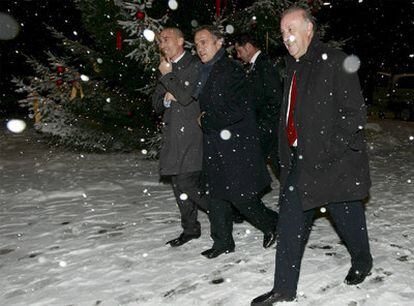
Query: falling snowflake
point(84, 78)
point(16, 125)
point(149, 35)
point(194, 23)
point(62, 263)
point(172, 4)
point(351, 63)
point(323, 210)
point(324, 56)
point(183, 196)
point(229, 29)
point(225, 134)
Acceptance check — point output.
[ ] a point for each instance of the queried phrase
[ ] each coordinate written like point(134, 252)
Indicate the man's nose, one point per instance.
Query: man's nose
point(285, 37)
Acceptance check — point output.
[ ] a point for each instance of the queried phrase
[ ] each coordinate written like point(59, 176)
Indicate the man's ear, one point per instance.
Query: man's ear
point(181, 41)
point(309, 27)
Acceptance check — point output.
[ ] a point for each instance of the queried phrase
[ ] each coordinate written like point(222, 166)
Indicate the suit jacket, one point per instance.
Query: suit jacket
point(329, 117)
point(266, 89)
point(182, 138)
point(233, 161)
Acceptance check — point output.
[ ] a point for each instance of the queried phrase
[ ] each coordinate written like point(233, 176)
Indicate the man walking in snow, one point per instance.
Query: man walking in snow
point(181, 149)
point(266, 90)
point(233, 162)
point(322, 154)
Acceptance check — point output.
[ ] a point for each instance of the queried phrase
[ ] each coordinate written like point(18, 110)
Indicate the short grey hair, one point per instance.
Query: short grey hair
point(306, 13)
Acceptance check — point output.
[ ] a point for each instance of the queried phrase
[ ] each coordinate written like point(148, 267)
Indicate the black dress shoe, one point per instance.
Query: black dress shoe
point(269, 239)
point(183, 238)
point(356, 276)
point(213, 253)
point(271, 297)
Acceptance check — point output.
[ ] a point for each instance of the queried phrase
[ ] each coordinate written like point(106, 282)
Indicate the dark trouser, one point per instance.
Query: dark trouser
point(294, 227)
point(187, 191)
point(221, 219)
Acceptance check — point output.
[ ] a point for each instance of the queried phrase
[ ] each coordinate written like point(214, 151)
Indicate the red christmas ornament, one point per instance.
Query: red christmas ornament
point(119, 40)
point(59, 82)
point(140, 15)
point(60, 69)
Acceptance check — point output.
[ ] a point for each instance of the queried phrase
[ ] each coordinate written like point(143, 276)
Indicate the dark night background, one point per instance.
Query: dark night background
point(380, 32)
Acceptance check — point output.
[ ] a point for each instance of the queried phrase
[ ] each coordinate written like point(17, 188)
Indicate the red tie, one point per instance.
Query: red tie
point(290, 128)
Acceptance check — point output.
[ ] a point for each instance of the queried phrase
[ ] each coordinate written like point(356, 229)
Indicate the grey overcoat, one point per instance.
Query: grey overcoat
point(182, 138)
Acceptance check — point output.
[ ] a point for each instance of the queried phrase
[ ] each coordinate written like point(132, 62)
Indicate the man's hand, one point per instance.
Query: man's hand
point(199, 118)
point(165, 65)
point(169, 96)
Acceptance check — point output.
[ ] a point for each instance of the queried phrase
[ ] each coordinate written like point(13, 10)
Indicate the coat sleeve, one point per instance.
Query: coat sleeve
point(181, 88)
point(158, 98)
point(233, 102)
point(268, 114)
point(351, 114)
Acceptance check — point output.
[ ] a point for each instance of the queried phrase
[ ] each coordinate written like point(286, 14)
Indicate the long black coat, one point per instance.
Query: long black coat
point(182, 138)
point(266, 90)
point(329, 116)
point(234, 167)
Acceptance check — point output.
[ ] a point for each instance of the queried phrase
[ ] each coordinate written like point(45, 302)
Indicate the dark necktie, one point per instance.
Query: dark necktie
point(290, 128)
point(251, 66)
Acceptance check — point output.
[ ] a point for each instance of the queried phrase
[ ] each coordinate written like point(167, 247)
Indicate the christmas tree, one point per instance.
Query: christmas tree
point(85, 98)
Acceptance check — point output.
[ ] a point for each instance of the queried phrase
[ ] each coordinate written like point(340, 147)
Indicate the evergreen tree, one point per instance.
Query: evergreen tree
point(101, 110)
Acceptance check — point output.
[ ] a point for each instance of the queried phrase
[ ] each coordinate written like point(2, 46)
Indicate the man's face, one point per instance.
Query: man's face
point(207, 45)
point(243, 52)
point(171, 46)
point(296, 33)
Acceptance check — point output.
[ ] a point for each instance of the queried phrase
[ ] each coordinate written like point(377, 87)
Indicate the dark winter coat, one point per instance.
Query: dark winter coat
point(329, 117)
point(234, 167)
point(266, 90)
point(182, 138)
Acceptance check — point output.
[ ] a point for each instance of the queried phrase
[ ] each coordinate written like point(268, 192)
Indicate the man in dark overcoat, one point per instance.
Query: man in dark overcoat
point(182, 138)
point(324, 163)
point(265, 89)
point(233, 163)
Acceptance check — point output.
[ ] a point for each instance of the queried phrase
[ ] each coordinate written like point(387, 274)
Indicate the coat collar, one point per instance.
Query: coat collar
point(184, 61)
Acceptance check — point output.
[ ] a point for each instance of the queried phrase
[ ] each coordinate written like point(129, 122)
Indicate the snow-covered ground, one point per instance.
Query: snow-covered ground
point(90, 229)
